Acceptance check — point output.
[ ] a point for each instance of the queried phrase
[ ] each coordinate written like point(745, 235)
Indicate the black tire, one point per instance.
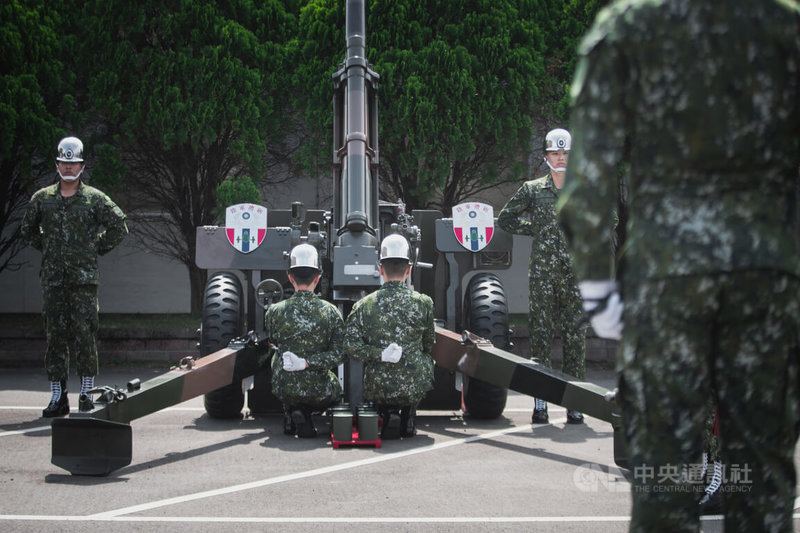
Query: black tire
point(223, 320)
point(486, 315)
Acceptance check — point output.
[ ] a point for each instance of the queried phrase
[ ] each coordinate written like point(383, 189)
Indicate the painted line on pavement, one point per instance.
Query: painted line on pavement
point(24, 431)
point(326, 520)
point(308, 473)
point(118, 515)
point(342, 520)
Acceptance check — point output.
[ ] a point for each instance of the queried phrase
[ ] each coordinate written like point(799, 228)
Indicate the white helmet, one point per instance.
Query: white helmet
point(304, 256)
point(70, 150)
point(395, 246)
point(557, 139)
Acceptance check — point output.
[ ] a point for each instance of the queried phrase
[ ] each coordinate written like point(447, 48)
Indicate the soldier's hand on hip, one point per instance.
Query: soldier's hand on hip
point(392, 353)
point(603, 305)
point(292, 363)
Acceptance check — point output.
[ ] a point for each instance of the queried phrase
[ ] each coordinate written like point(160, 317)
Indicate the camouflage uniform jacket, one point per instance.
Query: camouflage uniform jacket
point(531, 211)
point(311, 328)
point(713, 144)
point(393, 313)
point(71, 232)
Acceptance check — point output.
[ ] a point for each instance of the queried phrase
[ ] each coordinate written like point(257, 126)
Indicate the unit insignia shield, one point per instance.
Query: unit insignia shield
point(473, 224)
point(245, 226)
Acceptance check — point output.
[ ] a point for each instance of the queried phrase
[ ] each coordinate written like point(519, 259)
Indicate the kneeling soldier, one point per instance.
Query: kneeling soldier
point(391, 331)
point(307, 334)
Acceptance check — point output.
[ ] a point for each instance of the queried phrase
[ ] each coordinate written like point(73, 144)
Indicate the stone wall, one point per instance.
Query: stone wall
point(26, 346)
point(168, 345)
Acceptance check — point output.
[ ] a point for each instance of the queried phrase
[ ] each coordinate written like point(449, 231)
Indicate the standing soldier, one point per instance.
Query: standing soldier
point(71, 224)
point(700, 100)
point(307, 333)
point(392, 331)
point(554, 301)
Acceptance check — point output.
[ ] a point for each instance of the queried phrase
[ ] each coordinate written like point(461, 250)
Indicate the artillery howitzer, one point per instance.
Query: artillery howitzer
point(453, 257)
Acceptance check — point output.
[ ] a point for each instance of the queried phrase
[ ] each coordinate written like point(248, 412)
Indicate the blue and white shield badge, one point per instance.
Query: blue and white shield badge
point(473, 224)
point(245, 226)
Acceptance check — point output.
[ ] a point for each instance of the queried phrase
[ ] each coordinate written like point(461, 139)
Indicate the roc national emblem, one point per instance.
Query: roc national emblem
point(246, 226)
point(473, 224)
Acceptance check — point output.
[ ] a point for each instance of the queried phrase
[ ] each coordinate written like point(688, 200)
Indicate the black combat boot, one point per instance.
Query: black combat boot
point(390, 423)
point(408, 425)
point(540, 412)
point(711, 503)
point(574, 417)
point(304, 425)
point(59, 404)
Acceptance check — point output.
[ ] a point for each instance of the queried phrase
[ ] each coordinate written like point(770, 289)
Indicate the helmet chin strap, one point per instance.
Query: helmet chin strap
point(69, 178)
point(554, 169)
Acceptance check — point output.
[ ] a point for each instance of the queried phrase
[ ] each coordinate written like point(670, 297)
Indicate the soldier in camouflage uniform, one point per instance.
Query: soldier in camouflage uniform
point(71, 224)
point(702, 101)
point(391, 331)
point(307, 334)
point(554, 302)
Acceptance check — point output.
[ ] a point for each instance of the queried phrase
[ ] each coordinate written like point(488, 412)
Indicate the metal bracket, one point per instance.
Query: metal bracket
point(109, 394)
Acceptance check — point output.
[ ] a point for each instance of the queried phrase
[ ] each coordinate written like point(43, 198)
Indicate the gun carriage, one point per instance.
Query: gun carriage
point(455, 262)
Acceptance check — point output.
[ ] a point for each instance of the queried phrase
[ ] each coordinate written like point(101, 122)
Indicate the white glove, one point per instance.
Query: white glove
point(602, 303)
point(392, 353)
point(292, 363)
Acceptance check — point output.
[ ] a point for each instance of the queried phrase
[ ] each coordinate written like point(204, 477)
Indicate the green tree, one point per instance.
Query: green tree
point(459, 82)
point(35, 98)
point(234, 191)
point(465, 87)
point(457, 90)
point(564, 25)
point(315, 55)
point(191, 93)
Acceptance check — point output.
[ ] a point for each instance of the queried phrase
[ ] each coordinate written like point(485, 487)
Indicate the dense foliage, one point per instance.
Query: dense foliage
point(35, 108)
point(192, 95)
point(180, 102)
point(459, 81)
point(465, 87)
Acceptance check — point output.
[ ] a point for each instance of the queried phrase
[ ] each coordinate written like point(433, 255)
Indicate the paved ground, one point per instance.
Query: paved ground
point(190, 473)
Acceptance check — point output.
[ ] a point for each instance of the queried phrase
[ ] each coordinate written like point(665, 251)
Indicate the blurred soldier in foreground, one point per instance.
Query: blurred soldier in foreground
point(307, 332)
point(554, 302)
point(391, 331)
point(71, 224)
point(702, 100)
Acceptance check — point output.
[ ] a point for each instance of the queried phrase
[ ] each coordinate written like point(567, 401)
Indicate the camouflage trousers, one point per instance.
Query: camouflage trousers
point(555, 306)
point(390, 384)
point(733, 336)
point(70, 321)
point(313, 387)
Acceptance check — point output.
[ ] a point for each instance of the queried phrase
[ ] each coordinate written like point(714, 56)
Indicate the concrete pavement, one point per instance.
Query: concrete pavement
point(194, 473)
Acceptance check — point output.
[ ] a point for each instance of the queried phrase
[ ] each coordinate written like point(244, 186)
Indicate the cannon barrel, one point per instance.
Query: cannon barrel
point(355, 164)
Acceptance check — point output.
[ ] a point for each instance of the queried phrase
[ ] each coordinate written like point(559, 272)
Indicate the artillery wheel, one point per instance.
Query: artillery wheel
point(487, 316)
point(223, 320)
